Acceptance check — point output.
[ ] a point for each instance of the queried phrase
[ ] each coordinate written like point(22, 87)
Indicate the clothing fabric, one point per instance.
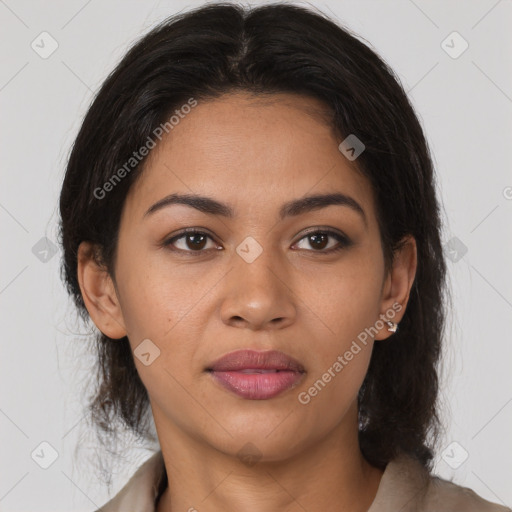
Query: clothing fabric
point(405, 486)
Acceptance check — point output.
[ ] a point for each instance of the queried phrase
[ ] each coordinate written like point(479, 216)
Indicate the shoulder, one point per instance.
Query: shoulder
point(444, 495)
point(407, 486)
point(142, 489)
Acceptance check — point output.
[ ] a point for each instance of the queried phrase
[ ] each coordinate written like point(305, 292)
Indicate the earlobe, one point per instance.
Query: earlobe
point(397, 288)
point(99, 293)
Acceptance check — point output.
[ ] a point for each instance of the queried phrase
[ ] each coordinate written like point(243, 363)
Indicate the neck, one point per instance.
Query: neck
point(330, 474)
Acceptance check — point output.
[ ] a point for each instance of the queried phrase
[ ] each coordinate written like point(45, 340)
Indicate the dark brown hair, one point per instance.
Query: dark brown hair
point(222, 48)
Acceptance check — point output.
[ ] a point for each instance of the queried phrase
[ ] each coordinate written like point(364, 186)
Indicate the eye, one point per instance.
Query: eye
point(191, 241)
point(194, 241)
point(319, 241)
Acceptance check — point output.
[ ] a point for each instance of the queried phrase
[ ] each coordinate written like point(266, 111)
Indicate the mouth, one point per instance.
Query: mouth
point(257, 375)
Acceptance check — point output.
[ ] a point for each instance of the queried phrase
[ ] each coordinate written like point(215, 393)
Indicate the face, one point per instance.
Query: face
point(304, 281)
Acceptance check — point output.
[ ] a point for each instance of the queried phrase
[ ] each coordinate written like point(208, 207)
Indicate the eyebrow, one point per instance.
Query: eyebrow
point(290, 209)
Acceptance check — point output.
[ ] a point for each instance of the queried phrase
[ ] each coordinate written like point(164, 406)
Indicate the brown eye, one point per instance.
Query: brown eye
point(191, 241)
point(195, 241)
point(319, 241)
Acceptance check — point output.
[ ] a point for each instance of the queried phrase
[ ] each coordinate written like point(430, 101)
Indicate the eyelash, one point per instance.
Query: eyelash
point(344, 242)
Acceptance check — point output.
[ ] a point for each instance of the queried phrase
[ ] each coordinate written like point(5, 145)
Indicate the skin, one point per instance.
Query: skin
point(253, 154)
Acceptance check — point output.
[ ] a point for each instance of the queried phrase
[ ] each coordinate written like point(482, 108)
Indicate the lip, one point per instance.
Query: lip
point(254, 359)
point(257, 375)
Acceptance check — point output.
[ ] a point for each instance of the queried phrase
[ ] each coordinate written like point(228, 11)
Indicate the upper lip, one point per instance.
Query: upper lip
point(253, 359)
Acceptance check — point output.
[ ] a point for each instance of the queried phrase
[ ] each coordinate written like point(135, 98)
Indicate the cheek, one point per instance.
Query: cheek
point(166, 303)
point(346, 297)
point(344, 350)
point(144, 299)
point(153, 296)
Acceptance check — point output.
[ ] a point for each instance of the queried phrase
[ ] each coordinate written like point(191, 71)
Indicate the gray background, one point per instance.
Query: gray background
point(465, 106)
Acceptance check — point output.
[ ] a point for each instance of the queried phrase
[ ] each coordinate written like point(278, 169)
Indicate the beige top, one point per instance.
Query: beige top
point(405, 486)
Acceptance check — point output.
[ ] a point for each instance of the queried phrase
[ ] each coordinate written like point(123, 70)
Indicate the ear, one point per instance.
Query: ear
point(99, 293)
point(397, 285)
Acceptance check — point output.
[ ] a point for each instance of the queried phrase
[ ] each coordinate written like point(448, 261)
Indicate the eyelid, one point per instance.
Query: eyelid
point(322, 229)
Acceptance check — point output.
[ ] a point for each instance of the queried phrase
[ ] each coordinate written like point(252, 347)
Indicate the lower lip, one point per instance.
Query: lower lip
point(257, 386)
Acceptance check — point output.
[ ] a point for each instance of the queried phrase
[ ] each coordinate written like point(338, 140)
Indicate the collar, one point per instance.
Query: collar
point(405, 486)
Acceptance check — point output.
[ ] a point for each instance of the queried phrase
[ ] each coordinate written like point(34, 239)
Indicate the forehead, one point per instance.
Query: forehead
point(251, 152)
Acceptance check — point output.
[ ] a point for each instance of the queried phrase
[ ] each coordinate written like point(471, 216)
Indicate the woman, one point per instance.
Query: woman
point(249, 217)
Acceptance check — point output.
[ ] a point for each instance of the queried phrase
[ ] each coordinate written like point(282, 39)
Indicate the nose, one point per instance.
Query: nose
point(258, 295)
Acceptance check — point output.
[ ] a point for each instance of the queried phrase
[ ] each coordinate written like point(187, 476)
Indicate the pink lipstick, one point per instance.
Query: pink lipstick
point(257, 375)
